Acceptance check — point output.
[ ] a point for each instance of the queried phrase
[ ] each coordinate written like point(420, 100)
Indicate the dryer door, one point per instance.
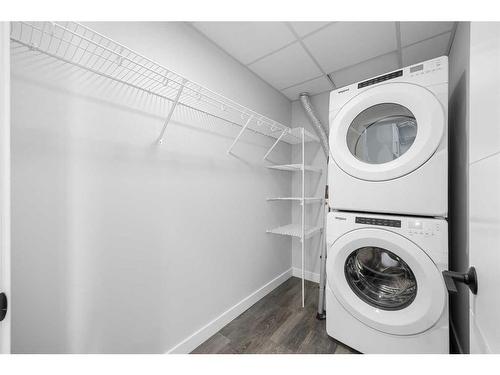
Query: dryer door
point(386, 281)
point(387, 131)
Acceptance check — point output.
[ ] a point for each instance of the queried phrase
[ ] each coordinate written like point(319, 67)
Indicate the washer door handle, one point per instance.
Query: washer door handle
point(470, 279)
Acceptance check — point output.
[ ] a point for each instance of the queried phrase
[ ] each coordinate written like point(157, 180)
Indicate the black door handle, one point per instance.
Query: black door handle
point(470, 279)
point(3, 306)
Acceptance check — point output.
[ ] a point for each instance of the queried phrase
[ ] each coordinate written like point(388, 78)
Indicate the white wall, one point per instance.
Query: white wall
point(315, 185)
point(458, 217)
point(484, 184)
point(120, 245)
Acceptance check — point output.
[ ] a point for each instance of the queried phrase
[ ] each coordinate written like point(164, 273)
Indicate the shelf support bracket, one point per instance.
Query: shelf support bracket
point(229, 150)
point(171, 112)
point(274, 144)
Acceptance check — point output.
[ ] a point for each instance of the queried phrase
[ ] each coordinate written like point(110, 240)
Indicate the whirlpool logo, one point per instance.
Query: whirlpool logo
point(342, 91)
point(340, 218)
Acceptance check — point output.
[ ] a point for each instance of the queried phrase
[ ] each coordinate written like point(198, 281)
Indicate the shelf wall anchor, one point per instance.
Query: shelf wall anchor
point(171, 112)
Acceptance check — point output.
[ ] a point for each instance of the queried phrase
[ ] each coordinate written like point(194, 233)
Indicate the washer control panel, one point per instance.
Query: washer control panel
point(378, 221)
point(420, 228)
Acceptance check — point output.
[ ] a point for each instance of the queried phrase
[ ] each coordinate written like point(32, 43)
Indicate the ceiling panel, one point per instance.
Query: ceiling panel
point(287, 54)
point(367, 69)
point(312, 87)
point(426, 50)
point(286, 67)
point(345, 43)
point(304, 28)
point(247, 41)
point(412, 32)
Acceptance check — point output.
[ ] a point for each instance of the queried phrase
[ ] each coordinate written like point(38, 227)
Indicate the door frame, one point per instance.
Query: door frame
point(5, 251)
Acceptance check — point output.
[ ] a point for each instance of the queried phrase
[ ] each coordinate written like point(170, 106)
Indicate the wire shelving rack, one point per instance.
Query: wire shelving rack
point(83, 47)
point(301, 230)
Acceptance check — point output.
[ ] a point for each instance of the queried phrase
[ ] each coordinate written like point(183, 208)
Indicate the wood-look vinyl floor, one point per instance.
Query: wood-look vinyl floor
point(276, 324)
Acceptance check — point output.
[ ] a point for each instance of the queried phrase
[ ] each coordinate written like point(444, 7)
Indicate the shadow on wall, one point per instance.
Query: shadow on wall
point(41, 69)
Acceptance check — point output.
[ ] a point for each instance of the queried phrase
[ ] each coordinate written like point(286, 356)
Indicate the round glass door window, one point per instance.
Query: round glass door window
point(380, 278)
point(381, 133)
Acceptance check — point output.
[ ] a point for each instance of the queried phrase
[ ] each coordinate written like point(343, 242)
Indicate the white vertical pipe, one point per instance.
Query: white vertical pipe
point(303, 239)
point(5, 181)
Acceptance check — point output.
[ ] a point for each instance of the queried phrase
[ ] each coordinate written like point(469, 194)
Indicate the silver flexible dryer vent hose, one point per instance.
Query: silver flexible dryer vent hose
point(319, 128)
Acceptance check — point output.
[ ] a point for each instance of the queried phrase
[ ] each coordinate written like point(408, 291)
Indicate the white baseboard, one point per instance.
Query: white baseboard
point(308, 275)
point(192, 342)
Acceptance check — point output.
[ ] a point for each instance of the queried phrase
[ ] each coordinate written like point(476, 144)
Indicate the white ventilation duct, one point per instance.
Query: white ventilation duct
point(319, 128)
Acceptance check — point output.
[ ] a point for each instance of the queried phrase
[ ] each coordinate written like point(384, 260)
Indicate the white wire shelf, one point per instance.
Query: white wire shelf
point(307, 200)
point(295, 136)
point(76, 44)
point(295, 167)
point(295, 230)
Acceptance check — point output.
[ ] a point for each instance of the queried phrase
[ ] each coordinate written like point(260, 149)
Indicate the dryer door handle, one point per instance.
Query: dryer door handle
point(470, 279)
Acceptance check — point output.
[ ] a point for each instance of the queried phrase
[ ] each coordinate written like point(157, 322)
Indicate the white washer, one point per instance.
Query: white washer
point(388, 142)
point(385, 292)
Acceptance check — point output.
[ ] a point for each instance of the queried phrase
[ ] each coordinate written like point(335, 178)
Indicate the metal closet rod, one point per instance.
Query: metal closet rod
point(128, 67)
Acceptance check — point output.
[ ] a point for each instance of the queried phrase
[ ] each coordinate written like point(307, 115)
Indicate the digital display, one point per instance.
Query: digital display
point(378, 221)
point(415, 225)
point(417, 68)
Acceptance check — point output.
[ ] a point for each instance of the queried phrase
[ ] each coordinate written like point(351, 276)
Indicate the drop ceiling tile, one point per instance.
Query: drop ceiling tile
point(313, 87)
point(286, 67)
point(412, 32)
point(426, 50)
point(247, 41)
point(367, 69)
point(346, 43)
point(304, 28)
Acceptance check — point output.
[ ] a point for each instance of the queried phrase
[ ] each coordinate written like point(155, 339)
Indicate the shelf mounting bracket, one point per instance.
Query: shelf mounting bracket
point(229, 150)
point(171, 111)
point(274, 144)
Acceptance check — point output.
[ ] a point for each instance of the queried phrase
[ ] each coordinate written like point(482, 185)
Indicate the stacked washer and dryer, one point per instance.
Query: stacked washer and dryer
point(387, 234)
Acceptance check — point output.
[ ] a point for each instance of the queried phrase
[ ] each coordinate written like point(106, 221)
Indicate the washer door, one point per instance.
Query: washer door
point(387, 131)
point(386, 281)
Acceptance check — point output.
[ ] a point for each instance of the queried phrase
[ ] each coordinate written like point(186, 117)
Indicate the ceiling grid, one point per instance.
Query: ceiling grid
point(315, 57)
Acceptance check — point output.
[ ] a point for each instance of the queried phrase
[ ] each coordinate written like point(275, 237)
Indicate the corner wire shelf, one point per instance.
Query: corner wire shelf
point(76, 44)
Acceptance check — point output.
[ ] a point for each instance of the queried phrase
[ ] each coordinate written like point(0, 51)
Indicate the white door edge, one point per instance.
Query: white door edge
point(5, 180)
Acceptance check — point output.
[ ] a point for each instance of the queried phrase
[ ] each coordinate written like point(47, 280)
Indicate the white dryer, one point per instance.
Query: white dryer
point(385, 292)
point(388, 142)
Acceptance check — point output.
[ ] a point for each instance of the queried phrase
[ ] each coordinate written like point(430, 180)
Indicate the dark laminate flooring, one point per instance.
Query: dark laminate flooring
point(276, 324)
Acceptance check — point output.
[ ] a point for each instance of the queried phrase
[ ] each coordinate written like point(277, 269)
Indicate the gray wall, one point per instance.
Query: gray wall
point(459, 60)
point(122, 246)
